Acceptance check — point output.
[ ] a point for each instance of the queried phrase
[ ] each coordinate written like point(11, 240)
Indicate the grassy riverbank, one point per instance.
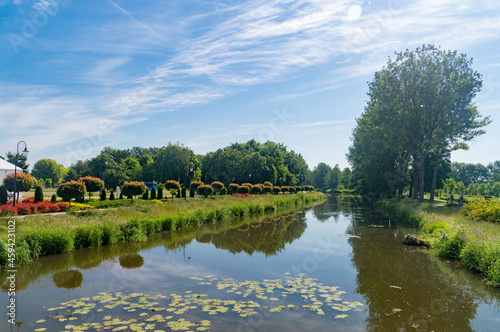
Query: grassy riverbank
point(475, 243)
point(40, 235)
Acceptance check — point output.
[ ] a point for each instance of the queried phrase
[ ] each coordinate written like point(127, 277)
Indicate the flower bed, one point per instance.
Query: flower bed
point(26, 207)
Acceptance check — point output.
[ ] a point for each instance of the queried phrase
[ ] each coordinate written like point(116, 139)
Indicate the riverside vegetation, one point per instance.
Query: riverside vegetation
point(470, 234)
point(41, 235)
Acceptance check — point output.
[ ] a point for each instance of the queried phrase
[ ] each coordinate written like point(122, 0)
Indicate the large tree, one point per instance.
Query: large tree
point(420, 106)
point(48, 169)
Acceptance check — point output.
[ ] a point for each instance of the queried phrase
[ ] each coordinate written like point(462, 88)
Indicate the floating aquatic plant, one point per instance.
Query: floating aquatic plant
point(143, 312)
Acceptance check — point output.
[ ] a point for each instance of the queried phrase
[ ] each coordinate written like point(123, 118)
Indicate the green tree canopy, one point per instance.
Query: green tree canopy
point(48, 169)
point(420, 107)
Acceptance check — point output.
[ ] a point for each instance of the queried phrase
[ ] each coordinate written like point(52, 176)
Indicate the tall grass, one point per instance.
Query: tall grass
point(476, 244)
point(46, 235)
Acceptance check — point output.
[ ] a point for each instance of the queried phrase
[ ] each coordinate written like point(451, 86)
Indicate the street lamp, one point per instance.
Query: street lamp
point(25, 152)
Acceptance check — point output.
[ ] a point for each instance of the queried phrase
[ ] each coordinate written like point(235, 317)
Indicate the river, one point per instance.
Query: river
point(337, 267)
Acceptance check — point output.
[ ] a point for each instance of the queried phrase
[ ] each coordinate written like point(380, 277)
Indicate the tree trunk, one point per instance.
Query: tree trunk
point(434, 176)
point(415, 178)
point(422, 180)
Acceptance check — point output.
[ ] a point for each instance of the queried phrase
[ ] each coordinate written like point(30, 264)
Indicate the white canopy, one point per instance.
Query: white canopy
point(7, 168)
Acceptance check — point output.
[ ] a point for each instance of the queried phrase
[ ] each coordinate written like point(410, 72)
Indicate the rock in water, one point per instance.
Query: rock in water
point(414, 241)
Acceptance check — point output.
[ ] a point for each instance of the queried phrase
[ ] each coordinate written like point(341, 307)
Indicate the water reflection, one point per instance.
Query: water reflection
point(268, 236)
point(131, 261)
point(69, 279)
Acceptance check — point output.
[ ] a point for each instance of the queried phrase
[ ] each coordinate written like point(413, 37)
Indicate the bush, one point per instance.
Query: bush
point(133, 188)
point(92, 184)
point(223, 191)
point(195, 184)
point(233, 188)
point(160, 193)
point(276, 190)
point(145, 195)
point(267, 190)
point(243, 190)
point(53, 199)
point(70, 190)
point(256, 190)
point(183, 192)
point(191, 192)
point(24, 181)
point(217, 186)
point(38, 195)
point(205, 190)
point(153, 193)
point(268, 184)
point(103, 195)
point(284, 189)
point(482, 209)
point(172, 184)
point(3, 195)
point(111, 196)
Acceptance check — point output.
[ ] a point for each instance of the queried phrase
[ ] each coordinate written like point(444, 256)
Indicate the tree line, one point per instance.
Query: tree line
point(251, 162)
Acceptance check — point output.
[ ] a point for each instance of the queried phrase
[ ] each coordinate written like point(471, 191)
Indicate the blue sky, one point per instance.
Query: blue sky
point(76, 76)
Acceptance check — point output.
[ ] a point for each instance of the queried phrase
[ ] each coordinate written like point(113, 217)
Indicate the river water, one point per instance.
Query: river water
point(337, 267)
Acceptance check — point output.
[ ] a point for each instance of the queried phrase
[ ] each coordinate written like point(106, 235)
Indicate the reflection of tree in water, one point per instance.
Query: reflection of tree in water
point(335, 206)
point(131, 261)
point(403, 288)
point(269, 237)
point(68, 279)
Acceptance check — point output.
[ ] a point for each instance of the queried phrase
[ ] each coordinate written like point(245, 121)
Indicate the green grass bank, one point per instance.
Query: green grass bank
point(40, 235)
point(452, 233)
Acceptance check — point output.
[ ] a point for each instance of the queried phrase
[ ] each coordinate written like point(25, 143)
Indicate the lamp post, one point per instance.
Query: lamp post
point(25, 151)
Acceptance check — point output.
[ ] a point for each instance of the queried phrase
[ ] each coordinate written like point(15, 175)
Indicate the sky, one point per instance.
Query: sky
point(76, 76)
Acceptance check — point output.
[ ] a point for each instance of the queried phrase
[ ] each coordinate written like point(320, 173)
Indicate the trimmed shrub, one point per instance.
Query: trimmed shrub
point(291, 189)
point(160, 193)
point(103, 195)
point(217, 186)
point(243, 190)
point(121, 195)
point(3, 195)
point(24, 182)
point(205, 190)
point(284, 189)
point(112, 196)
point(268, 184)
point(133, 188)
point(195, 184)
point(92, 184)
point(145, 195)
point(183, 192)
point(153, 193)
point(53, 199)
point(69, 190)
point(267, 190)
point(38, 195)
point(233, 188)
point(172, 184)
point(256, 190)
point(223, 191)
point(276, 190)
point(191, 192)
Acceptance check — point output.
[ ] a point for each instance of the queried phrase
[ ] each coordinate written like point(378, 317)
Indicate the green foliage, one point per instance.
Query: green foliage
point(111, 195)
point(223, 191)
point(183, 192)
point(69, 190)
point(205, 190)
point(133, 188)
point(243, 190)
point(24, 181)
point(195, 184)
point(3, 195)
point(482, 209)
point(233, 188)
point(217, 186)
point(172, 184)
point(53, 199)
point(267, 190)
point(407, 123)
point(145, 195)
point(191, 192)
point(18, 160)
point(153, 193)
point(103, 195)
point(48, 169)
point(160, 193)
point(276, 190)
point(38, 194)
point(256, 190)
point(92, 184)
